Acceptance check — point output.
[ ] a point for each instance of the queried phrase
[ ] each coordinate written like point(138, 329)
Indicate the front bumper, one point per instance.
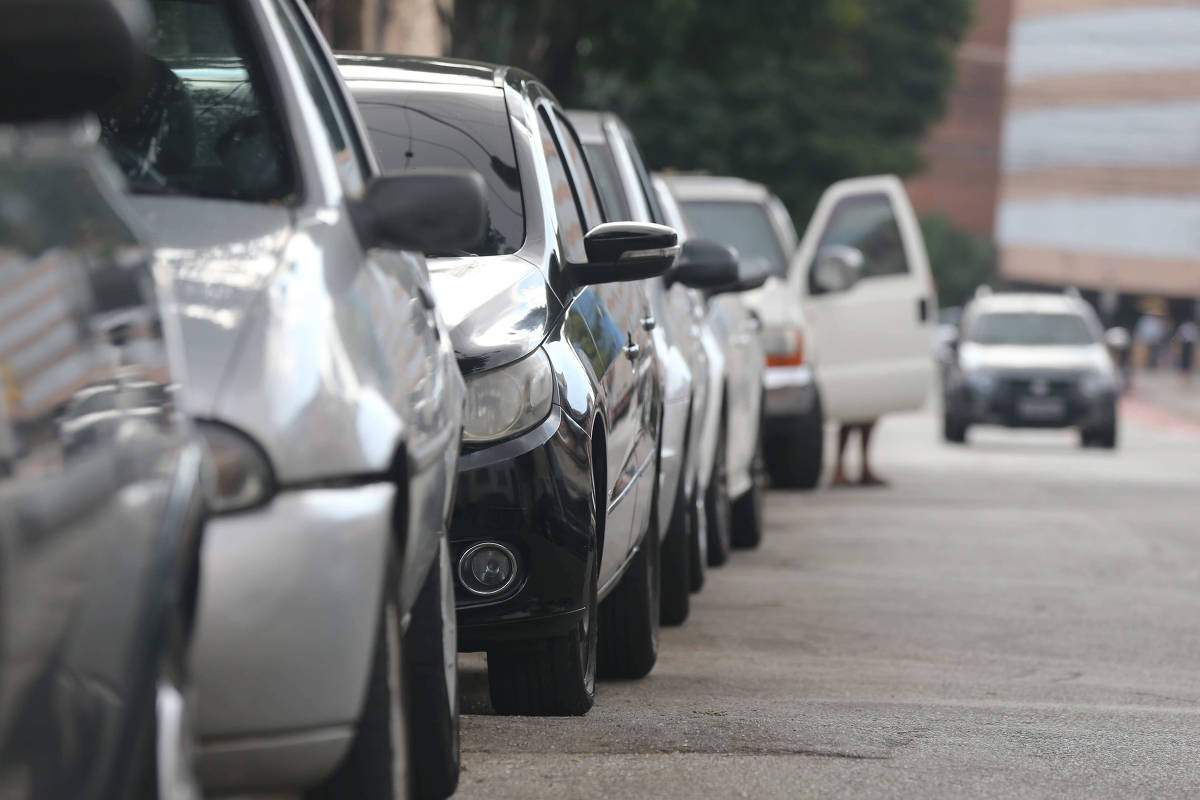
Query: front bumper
point(1003, 405)
point(532, 494)
point(289, 601)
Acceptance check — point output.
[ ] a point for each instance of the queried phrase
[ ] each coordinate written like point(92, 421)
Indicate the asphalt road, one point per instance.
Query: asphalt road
point(1019, 617)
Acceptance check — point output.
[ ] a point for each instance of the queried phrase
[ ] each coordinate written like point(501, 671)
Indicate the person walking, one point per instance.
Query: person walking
point(1186, 335)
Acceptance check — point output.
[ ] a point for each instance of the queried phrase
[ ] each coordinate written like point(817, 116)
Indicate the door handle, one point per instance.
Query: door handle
point(648, 322)
point(923, 309)
point(632, 349)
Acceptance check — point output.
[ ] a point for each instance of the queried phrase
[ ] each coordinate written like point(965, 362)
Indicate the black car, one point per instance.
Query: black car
point(554, 512)
point(100, 480)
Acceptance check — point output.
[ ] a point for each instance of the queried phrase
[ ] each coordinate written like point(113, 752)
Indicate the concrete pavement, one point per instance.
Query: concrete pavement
point(1019, 617)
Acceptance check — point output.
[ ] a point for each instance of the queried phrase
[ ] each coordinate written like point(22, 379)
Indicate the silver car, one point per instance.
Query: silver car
point(735, 492)
point(327, 394)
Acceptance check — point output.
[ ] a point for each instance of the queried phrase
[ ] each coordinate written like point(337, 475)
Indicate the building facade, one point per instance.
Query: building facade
point(1100, 185)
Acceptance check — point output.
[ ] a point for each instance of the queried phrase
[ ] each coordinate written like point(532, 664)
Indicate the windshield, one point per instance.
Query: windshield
point(1030, 329)
point(743, 226)
point(414, 126)
point(205, 125)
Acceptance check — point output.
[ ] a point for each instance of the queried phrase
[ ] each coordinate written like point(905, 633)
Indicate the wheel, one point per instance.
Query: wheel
point(375, 767)
point(719, 509)
point(954, 430)
point(551, 677)
point(748, 509)
point(795, 461)
point(629, 616)
point(698, 541)
point(1104, 436)
point(431, 683)
point(675, 597)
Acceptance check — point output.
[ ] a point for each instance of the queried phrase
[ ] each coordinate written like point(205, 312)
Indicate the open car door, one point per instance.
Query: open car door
point(869, 299)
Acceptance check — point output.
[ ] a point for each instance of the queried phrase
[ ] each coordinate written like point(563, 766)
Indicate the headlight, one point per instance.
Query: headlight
point(981, 381)
point(240, 477)
point(509, 400)
point(1093, 384)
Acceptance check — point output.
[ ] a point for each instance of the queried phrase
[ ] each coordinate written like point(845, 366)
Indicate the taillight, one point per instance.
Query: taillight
point(786, 351)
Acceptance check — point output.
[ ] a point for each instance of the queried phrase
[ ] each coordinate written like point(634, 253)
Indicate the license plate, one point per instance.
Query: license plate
point(1041, 408)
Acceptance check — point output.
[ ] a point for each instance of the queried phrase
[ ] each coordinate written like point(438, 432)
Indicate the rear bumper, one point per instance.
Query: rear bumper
point(289, 598)
point(789, 393)
point(533, 495)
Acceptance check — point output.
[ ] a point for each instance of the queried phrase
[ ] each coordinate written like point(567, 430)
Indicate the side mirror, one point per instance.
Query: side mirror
point(1117, 339)
point(704, 264)
point(836, 268)
point(626, 251)
point(752, 274)
point(429, 210)
point(65, 58)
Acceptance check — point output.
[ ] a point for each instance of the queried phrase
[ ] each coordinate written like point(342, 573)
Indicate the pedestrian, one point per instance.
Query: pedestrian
point(868, 477)
point(1151, 334)
point(1186, 335)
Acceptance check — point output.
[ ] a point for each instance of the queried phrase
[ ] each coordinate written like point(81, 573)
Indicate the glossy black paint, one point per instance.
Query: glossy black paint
point(533, 493)
point(100, 499)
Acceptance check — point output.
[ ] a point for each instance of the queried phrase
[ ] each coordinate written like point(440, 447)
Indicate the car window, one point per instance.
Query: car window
point(593, 214)
point(743, 226)
point(656, 211)
point(1007, 328)
point(867, 223)
point(207, 124)
point(414, 126)
point(322, 87)
point(608, 181)
point(570, 227)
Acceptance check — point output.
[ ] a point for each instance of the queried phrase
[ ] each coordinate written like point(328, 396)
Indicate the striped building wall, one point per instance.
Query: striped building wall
point(1100, 166)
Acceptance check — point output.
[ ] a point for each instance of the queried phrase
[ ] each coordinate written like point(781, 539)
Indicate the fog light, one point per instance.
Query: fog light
point(487, 568)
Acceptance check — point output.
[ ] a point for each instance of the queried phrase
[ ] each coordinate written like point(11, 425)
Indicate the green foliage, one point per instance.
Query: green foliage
point(794, 94)
point(960, 262)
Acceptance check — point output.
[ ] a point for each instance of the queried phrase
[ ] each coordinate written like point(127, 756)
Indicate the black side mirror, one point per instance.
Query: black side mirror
point(836, 268)
point(704, 264)
point(626, 251)
point(752, 274)
point(430, 210)
point(59, 58)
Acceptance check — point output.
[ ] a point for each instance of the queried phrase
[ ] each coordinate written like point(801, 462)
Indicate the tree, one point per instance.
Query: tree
point(793, 94)
point(960, 262)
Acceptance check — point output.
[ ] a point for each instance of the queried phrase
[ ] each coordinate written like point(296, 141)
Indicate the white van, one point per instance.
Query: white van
point(847, 325)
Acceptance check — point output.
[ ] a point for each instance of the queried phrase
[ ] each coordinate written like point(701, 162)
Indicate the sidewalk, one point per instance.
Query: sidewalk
point(1163, 389)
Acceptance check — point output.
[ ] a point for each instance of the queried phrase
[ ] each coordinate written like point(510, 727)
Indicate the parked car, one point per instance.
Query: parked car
point(100, 524)
point(327, 394)
point(735, 491)
point(677, 302)
point(553, 522)
point(1032, 361)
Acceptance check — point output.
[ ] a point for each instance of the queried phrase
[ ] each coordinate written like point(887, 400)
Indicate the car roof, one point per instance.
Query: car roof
point(428, 69)
point(1029, 303)
point(717, 187)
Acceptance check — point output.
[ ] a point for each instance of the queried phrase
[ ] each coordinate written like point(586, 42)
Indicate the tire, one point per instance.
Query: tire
point(954, 430)
point(431, 684)
point(372, 769)
point(551, 677)
point(1104, 437)
point(718, 506)
point(629, 616)
point(675, 561)
point(698, 542)
point(747, 510)
point(795, 461)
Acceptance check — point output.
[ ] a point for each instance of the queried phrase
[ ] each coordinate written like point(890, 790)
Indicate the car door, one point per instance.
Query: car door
point(872, 339)
point(616, 310)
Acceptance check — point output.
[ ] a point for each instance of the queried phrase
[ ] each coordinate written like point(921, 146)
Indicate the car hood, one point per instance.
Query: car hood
point(218, 256)
point(1088, 357)
point(498, 308)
